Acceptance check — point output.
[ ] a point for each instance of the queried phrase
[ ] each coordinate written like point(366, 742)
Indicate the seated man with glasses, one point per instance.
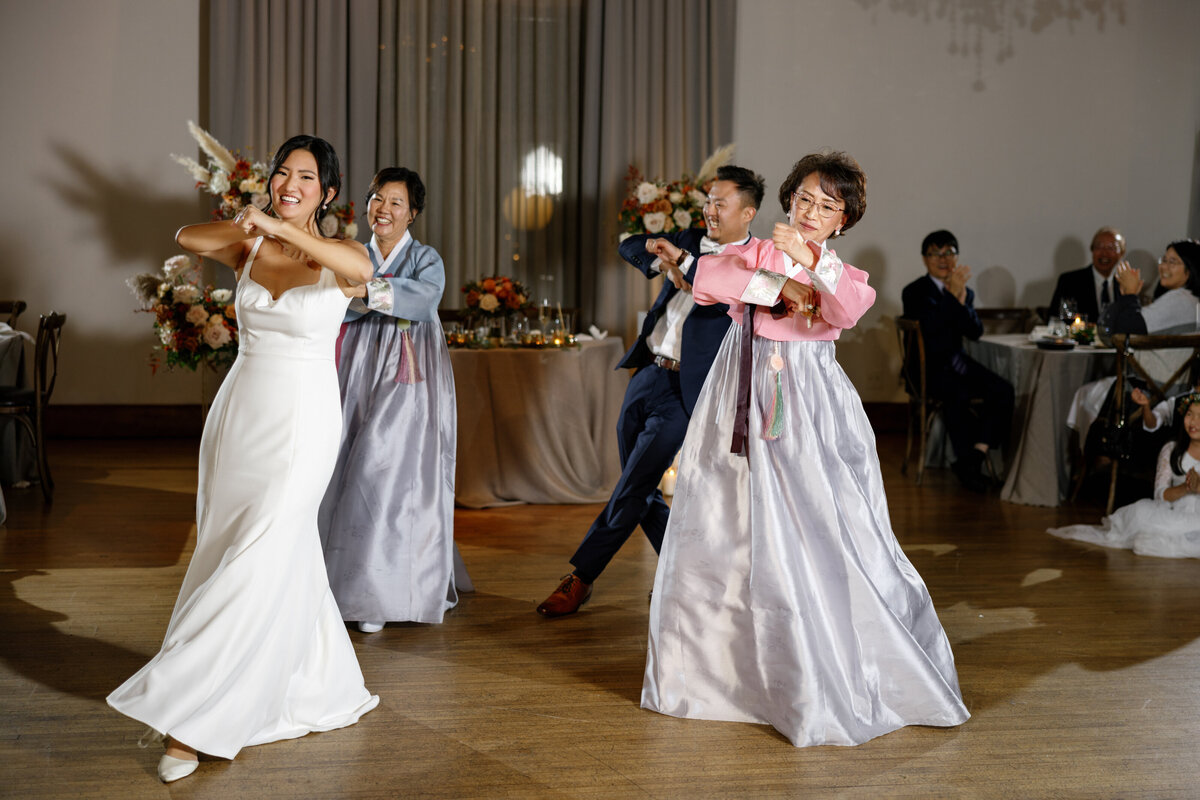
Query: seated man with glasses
point(1093, 287)
point(942, 303)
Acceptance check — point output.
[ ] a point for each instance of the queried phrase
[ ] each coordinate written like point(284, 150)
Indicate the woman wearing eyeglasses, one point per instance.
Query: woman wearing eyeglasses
point(782, 596)
point(1176, 302)
point(1175, 309)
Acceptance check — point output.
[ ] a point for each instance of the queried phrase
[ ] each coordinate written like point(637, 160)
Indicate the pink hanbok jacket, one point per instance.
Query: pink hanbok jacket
point(733, 278)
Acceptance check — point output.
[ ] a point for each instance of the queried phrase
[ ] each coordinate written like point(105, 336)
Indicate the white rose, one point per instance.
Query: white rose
point(222, 295)
point(197, 315)
point(682, 218)
point(185, 294)
point(675, 197)
point(218, 183)
point(352, 230)
point(329, 225)
point(488, 303)
point(260, 201)
point(647, 192)
point(655, 221)
point(216, 335)
point(177, 265)
point(248, 186)
point(698, 197)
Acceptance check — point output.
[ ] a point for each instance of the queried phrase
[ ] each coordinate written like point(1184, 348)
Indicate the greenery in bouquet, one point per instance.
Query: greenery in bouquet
point(238, 182)
point(497, 296)
point(658, 206)
point(195, 325)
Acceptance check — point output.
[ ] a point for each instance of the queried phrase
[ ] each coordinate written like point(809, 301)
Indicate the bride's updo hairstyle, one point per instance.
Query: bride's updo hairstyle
point(329, 170)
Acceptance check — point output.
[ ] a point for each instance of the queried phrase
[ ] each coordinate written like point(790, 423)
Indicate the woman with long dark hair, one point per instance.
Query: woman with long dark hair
point(256, 650)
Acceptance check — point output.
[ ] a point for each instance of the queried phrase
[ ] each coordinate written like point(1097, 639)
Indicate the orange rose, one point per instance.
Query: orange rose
point(488, 284)
point(472, 298)
point(662, 204)
point(231, 311)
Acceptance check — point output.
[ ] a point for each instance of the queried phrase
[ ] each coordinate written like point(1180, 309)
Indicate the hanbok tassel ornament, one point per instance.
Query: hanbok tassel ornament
point(408, 372)
point(773, 419)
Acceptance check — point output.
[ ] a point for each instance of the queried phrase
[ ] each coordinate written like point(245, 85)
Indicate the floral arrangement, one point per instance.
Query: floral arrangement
point(658, 206)
point(497, 296)
point(195, 325)
point(238, 183)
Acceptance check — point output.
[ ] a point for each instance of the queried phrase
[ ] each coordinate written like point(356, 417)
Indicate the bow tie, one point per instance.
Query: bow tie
point(709, 247)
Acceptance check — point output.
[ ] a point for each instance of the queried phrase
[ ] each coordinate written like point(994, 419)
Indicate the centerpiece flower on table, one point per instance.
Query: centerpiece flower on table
point(196, 325)
point(495, 297)
point(658, 206)
point(238, 182)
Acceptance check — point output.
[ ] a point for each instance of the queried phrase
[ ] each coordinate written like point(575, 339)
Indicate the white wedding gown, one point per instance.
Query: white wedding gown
point(256, 650)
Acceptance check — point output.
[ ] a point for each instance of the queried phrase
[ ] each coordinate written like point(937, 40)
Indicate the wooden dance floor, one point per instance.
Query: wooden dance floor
point(1078, 664)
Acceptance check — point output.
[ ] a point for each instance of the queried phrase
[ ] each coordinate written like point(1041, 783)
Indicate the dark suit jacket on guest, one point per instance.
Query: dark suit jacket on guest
point(1079, 285)
point(703, 329)
point(944, 323)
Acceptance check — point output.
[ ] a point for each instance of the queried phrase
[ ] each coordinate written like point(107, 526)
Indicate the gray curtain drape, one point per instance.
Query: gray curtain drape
point(522, 117)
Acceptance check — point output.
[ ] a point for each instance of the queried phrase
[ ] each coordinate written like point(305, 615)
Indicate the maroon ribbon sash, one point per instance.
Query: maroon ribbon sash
point(741, 418)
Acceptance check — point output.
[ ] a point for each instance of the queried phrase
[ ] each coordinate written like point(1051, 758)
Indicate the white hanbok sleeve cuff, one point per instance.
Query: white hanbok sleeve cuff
point(827, 272)
point(764, 288)
point(379, 296)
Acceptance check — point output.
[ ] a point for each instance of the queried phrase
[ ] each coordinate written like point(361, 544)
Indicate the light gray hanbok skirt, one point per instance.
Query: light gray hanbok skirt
point(782, 595)
point(387, 520)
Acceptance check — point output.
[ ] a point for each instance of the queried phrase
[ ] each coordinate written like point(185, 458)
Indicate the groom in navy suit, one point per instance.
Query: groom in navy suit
point(672, 356)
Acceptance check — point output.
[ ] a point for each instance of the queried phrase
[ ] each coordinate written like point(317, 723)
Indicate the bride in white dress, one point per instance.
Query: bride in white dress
point(1167, 525)
point(256, 650)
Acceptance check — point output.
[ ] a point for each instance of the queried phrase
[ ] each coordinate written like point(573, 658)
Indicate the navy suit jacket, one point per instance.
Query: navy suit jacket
point(1081, 286)
point(944, 323)
point(703, 329)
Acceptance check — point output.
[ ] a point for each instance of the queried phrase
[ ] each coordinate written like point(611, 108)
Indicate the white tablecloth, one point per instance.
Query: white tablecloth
point(1045, 381)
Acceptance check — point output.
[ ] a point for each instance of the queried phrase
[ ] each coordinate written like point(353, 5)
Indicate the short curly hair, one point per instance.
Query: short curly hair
point(841, 177)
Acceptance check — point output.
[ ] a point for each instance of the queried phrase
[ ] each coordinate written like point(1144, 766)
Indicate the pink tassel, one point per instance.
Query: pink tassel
point(409, 372)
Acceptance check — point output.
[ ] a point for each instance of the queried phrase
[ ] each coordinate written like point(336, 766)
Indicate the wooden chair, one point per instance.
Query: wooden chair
point(1131, 348)
point(12, 309)
point(28, 405)
point(1006, 320)
point(921, 407)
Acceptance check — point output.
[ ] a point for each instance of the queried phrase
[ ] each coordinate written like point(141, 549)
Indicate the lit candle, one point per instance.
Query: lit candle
point(668, 482)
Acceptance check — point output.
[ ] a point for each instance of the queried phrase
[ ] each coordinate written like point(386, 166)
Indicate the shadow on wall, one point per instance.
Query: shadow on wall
point(1193, 226)
point(134, 222)
point(975, 27)
point(868, 352)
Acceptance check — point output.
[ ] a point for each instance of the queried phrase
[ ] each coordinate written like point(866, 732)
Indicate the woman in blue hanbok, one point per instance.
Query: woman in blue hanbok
point(387, 521)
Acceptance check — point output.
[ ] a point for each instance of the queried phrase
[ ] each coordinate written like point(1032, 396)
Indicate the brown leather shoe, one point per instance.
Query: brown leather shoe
point(567, 598)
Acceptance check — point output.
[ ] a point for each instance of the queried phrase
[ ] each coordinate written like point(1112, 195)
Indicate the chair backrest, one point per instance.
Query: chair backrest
point(1132, 351)
point(11, 309)
point(1006, 320)
point(45, 358)
point(912, 356)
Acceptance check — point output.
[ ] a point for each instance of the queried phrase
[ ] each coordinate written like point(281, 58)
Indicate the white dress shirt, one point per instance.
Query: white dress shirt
point(666, 339)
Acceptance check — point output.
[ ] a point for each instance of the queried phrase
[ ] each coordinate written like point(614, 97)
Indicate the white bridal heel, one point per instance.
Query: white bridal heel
point(171, 768)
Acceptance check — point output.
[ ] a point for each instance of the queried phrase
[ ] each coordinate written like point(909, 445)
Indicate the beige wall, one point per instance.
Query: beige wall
point(1084, 125)
point(95, 94)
